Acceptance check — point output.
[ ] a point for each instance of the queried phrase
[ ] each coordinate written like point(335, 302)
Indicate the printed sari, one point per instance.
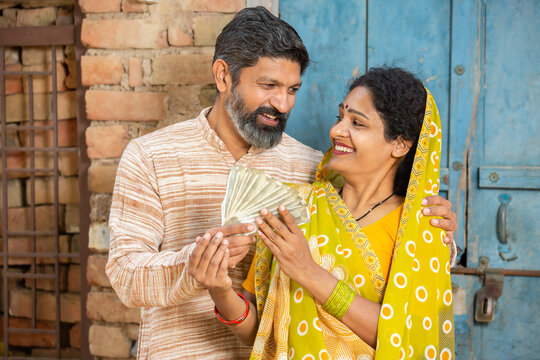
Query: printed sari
point(416, 317)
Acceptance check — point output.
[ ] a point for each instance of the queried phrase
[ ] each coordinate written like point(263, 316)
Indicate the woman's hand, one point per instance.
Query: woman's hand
point(287, 243)
point(208, 262)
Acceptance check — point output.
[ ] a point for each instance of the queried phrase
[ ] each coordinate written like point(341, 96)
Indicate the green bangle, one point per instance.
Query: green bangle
point(340, 300)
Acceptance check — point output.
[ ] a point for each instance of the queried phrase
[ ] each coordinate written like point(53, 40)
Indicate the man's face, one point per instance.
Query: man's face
point(260, 103)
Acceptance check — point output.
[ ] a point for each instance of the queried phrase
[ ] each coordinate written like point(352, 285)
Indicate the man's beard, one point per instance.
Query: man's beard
point(258, 135)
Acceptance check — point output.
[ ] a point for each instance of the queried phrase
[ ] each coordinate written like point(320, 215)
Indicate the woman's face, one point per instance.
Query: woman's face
point(359, 145)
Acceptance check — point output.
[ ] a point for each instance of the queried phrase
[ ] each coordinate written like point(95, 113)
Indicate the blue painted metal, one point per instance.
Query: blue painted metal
point(335, 35)
point(509, 177)
point(480, 60)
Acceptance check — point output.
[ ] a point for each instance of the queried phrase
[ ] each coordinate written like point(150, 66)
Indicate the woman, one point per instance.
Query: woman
point(368, 276)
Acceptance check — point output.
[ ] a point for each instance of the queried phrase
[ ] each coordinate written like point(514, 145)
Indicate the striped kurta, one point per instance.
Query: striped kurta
point(169, 188)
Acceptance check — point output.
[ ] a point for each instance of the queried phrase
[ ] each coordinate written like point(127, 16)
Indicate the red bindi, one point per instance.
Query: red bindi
point(346, 106)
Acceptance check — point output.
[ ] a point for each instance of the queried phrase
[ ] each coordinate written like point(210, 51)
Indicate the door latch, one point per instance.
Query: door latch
point(486, 297)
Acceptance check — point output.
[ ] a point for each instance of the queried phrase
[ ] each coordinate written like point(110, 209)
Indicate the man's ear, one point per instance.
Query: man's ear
point(222, 75)
point(401, 147)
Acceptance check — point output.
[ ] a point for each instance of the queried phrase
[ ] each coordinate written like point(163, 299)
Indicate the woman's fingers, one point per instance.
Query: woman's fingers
point(274, 222)
point(266, 240)
point(290, 221)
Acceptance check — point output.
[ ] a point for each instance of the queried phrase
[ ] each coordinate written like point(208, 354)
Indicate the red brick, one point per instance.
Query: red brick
point(128, 106)
point(13, 83)
point(40, 55)
point(36, 340)
point(72, 218)
point(182, 69)
point(206, 28)
point(71, 79)
point(68, 190)
point(132, 331)
point(17, 106)
point(101, 178)
point(74, 278)
point(177, 37)
point(75, 336)
point(37, 17)
point(42, 245)
point(46, 284)
point(20, 305)
point(123, 34)
point(16, 160)
point(106, 141)
point(95, 272)
point(64, 16)
point(231, 6)
point(135, 72)
point(65, 353)
point(43, 84)
point(106, 306)
point(132, 6)
point(99, 6)
point(15, 194)
point(67, 134)
point(19, 218)
point(68, 163)
point(97, 70)
point(109, 341)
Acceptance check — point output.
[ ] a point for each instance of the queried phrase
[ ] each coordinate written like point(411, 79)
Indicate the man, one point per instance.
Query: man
point(170, 185)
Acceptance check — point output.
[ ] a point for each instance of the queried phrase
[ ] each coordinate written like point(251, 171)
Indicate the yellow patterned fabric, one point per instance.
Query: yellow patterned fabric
point(416, 318)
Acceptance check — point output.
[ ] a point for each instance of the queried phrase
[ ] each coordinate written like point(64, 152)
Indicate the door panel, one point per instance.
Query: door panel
point(334, 34)
point(480, 60)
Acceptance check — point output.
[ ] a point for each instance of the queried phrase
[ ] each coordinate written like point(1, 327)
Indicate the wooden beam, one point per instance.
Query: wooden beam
point(38, 36)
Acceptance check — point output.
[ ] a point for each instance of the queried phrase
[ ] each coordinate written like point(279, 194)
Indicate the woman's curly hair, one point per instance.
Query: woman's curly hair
point(400, 99)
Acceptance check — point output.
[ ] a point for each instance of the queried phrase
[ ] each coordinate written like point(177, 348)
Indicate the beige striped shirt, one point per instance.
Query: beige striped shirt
point(169, 189)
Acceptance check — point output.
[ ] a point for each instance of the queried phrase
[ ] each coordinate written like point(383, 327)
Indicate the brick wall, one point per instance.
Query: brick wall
point(35, 13)
point(147, 66)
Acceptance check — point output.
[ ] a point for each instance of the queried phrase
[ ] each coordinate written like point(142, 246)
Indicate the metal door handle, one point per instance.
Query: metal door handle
point(504, 247)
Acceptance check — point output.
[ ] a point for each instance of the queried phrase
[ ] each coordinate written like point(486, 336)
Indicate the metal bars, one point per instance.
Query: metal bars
point(43, 36)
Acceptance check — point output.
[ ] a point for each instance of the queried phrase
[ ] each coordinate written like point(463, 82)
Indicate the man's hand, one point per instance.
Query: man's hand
point(439, 206)
point(208, 262)
point(239, 244)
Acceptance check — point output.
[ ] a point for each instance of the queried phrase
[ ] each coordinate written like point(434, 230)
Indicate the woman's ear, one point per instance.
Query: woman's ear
point(222, 75)
point(401, 147)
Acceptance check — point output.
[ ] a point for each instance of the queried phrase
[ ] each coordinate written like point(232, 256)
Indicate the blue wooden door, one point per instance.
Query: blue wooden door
point(480, 60)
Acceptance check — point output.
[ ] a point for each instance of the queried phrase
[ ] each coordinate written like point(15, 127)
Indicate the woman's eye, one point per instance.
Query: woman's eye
point(339, 118)
point(357, 123)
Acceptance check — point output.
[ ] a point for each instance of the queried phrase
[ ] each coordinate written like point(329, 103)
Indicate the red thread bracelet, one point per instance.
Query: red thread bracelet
point(237, 321)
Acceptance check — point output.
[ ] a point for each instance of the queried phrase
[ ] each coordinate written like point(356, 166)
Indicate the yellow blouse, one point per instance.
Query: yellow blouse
point(382, 235)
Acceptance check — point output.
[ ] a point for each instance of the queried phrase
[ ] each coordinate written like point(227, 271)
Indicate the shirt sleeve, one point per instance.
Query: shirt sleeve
point(249, 283)
point(139, 272)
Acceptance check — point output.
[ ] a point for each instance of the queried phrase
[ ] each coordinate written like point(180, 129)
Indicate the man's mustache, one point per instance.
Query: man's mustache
point(271, 111)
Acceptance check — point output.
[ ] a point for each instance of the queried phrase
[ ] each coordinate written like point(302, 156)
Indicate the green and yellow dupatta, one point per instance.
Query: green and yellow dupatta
point(416, 319)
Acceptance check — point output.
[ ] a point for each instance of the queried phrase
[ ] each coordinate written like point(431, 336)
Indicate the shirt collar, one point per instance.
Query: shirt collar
point(212, 137)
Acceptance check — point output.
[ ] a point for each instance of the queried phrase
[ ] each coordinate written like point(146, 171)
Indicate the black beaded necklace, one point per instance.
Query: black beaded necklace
point(370, 210)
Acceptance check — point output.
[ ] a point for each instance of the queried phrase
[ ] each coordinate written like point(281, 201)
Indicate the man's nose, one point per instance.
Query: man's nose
point(281, 102)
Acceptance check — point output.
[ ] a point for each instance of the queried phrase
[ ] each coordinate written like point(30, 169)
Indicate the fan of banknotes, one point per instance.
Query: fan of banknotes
point(250, 189)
